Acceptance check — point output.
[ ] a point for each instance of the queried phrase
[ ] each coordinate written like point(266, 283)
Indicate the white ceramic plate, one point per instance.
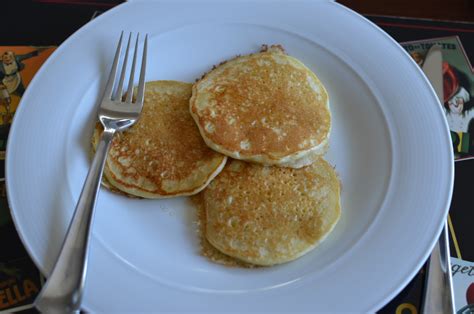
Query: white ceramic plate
point(390, 146)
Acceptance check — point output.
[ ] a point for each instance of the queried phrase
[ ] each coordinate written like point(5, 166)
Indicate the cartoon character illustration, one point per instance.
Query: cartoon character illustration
point(459, 108)
point(10, 68)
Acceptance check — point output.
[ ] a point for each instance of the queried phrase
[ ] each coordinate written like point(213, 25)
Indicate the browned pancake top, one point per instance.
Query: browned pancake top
point(163, 153)
point(262, 104)
point(269, 215)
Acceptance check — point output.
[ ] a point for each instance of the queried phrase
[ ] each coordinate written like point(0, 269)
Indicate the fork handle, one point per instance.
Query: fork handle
point(62, 292)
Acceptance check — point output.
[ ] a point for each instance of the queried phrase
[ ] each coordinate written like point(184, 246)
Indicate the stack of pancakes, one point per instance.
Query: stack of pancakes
point(275, 198)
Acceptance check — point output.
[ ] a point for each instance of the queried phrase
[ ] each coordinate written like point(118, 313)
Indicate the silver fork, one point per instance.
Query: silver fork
point(63, 290)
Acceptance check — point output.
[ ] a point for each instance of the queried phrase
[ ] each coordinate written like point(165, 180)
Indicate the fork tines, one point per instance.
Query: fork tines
point(118, 95)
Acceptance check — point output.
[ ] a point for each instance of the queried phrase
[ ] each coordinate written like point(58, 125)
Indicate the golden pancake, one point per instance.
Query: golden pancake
point(271, 215)
point(163, 154)
point(206, 248)
point(267, 107)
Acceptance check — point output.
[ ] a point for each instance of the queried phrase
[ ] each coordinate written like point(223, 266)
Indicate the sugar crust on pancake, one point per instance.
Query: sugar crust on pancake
point(266, 107)
point(163, 154)
point(271, 215)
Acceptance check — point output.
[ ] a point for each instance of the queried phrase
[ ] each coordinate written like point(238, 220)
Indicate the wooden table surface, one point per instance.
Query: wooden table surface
point(453, 10)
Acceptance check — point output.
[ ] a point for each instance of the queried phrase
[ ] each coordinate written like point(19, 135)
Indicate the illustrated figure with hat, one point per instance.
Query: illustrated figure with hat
point(458, 102)
point(458, 105)
point(10, 68)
